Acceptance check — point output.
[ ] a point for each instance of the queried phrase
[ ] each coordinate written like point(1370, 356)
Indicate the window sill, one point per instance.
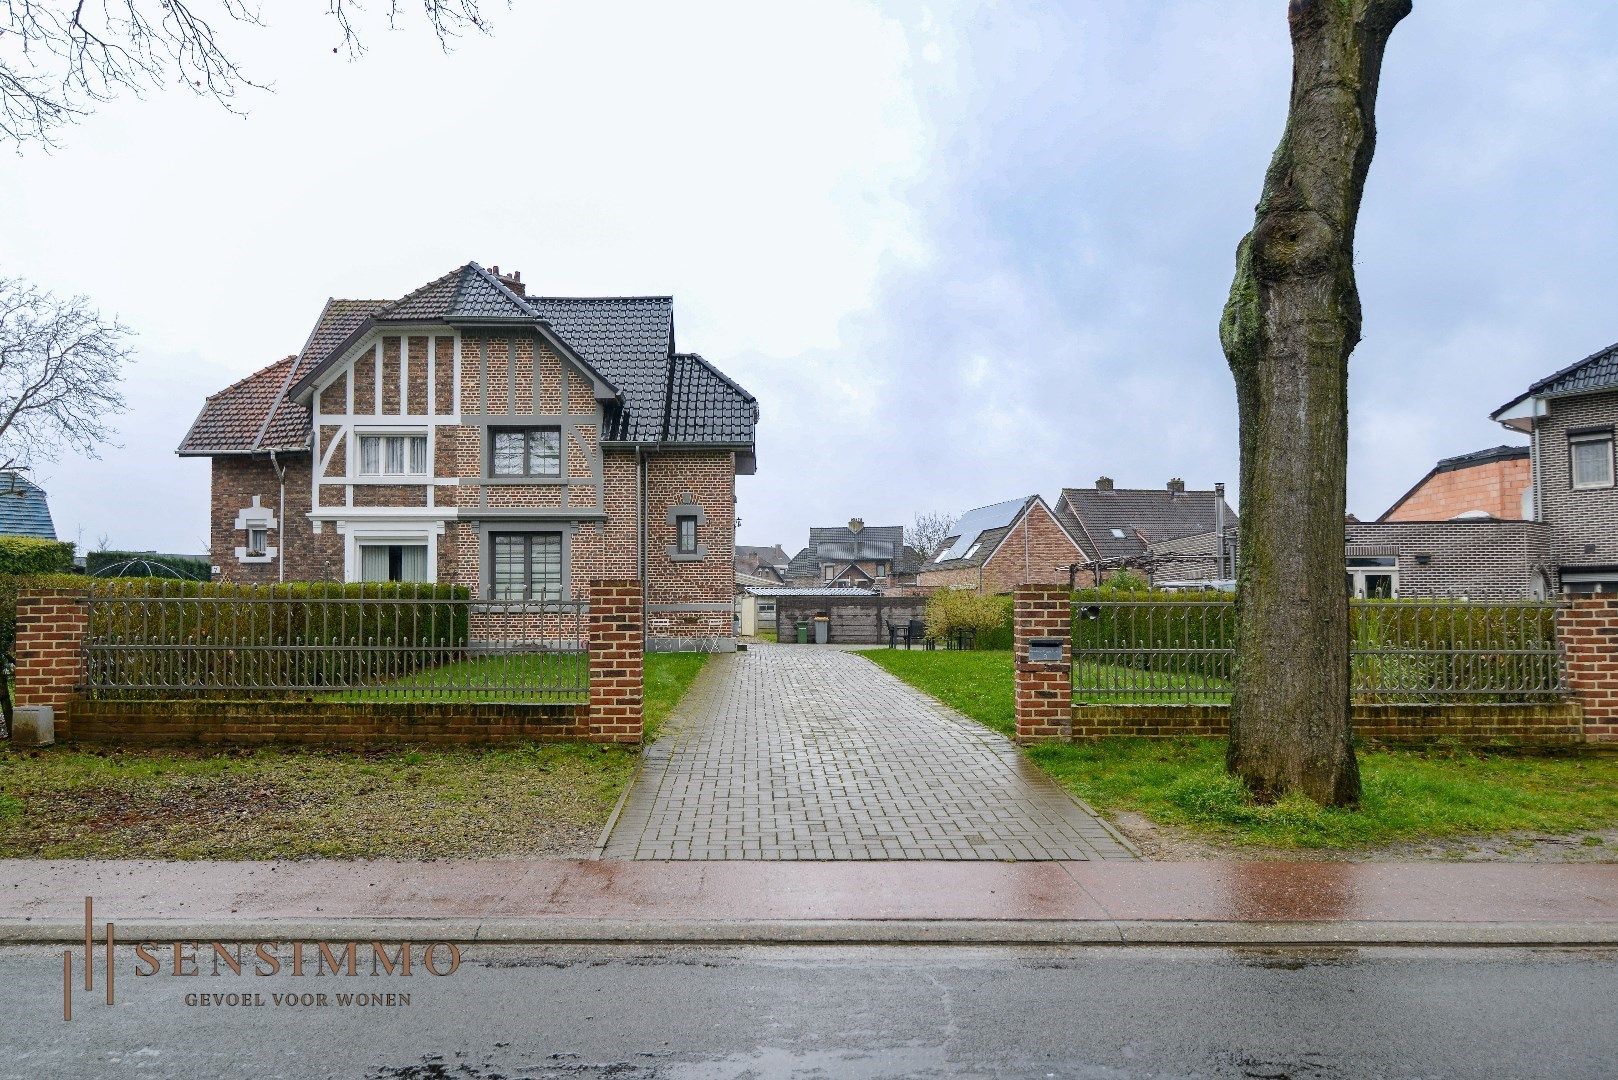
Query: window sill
point(400, 478)
point(676, 555)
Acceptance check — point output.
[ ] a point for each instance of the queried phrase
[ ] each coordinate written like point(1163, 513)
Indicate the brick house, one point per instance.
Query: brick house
point(996, 548)
point(1170, 533)
point(1490, 483)
point(1570, 417)
point(855, 555)
point(470, 433)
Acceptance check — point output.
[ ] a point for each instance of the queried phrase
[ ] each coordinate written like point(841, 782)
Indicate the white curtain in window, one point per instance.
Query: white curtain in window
point(370, 463)
point(395, 462)
point(373, 562)
point(413, 562)
point(418, 454)
point(1592, 462)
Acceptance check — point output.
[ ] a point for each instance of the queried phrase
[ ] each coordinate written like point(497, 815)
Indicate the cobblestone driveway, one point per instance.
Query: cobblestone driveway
point(798, 752)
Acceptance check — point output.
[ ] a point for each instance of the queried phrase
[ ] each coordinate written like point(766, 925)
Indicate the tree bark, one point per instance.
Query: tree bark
point(1292, 320)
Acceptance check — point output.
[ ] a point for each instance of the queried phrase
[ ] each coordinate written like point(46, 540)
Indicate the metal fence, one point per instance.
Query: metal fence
point(397, 644)
point(1400, 651)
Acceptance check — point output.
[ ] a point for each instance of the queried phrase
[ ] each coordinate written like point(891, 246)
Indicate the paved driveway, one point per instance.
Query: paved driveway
point(799, 752)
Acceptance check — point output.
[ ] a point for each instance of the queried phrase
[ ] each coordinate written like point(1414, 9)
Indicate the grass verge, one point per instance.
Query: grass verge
point(1409, 795)
point(668, 677)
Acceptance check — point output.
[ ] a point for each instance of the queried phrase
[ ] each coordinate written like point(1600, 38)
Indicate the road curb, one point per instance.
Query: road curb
point(558, 931)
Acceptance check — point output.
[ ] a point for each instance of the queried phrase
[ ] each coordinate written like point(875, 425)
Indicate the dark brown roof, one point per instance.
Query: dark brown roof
point(232, 420)
point(1120, 523)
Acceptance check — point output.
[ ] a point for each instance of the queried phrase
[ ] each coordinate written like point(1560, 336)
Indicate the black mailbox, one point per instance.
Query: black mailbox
point(1045, 650)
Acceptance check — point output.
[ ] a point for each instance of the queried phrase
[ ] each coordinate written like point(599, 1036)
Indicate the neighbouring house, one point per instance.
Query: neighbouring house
point(766, 562)
point(1492, 483)
point(997, 548)
point(1150, 530)
point(855, 555)
point(1570, 417)
point(24, 510)
point(470, 433)
point(755, 604)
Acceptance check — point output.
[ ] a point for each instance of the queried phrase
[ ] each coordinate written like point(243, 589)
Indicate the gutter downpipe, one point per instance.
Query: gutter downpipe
point(281, 521)
point(641, 561)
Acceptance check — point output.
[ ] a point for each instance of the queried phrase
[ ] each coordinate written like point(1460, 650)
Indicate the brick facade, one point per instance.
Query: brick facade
point(1583, 522)
point(1494, 487)
point(1588, 630)
point(1034, 551)
point(1474, 560)
point(410, 383)
point(1044, 691)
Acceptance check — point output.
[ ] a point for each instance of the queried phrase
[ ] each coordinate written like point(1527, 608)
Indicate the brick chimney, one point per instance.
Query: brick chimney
point(1176, 486)
point(1103, 483)
point(512, 281)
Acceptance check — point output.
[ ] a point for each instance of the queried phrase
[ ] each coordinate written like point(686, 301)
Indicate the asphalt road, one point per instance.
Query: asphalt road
point(641, 1013)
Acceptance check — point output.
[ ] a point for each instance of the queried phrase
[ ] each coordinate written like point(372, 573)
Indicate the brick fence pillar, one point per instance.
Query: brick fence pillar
point(51, 624)
point(1044, 687)
point(617, 644)
point(1588, 629)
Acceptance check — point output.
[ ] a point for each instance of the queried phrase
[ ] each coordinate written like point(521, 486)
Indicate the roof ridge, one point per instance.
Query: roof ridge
point(492, 279)
point(726, 379)
point(1599, 354)
point(669, 297)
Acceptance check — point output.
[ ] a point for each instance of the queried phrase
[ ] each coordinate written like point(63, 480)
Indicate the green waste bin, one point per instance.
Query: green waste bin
point(803, 633)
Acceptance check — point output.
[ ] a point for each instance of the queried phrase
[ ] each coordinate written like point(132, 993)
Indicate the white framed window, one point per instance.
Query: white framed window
point(1373, 577)
point(393, 562)
point(1590, 458)
point(392, 455)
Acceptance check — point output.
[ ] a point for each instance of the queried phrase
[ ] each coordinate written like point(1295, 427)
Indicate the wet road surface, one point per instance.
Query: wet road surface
point(642, 1013)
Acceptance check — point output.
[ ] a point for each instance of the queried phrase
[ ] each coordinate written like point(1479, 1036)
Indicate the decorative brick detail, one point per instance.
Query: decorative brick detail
point(51, 624)
point(617, 654)
point(1044, 690)
point(1588, 630)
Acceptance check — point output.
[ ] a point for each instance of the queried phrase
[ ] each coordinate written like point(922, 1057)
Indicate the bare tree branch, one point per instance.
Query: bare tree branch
point(928, 533)
point(60, 366)
point(61, 58)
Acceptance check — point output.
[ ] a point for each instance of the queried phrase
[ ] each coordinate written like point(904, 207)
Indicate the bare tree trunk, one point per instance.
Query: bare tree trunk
point(1291, 322)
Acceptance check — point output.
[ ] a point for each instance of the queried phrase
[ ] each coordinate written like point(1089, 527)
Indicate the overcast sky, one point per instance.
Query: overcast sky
point(960, 252)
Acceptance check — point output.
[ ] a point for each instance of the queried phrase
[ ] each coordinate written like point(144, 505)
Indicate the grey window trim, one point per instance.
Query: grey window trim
point(687, 508)
point(486, 533)
point(527, 431)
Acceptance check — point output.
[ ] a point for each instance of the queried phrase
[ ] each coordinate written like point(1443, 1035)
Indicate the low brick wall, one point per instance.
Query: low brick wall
point(1558, 723)
point(326, 723)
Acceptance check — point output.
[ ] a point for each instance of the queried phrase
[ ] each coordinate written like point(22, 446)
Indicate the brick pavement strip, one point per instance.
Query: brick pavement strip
point(799, 752)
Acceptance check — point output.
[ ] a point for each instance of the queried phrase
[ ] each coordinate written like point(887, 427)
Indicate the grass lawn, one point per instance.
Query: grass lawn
point(668, 677)
point(1409, 795)
point(270, 803)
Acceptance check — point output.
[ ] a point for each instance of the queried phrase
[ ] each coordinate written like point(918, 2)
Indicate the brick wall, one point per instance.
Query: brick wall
point(1495, 487)
point(1584, 523)
point(50, 652)
point(1035, 552)
point(689, 601)
point(1044, 690)
point(309, 556)
point(617, 676)
point(325, 723)
point(1478, 560)
point(1588, 629)
point(1550, 724)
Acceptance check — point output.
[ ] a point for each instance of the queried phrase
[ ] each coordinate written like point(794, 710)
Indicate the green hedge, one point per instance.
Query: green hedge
point(1505, 650)
point(146, 564)
point(956, 611)
point(31, 555)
